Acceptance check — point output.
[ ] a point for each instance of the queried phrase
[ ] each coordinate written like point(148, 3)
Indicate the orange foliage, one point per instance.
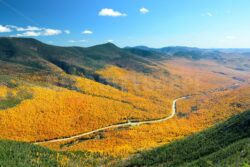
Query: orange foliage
point(212, 108)
point(96, 89)
point(3, 91)
point(56, 112)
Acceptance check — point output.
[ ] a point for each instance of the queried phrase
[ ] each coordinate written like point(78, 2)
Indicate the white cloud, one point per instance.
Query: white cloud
point(111, 12)
point(67, 32)
point(49, 32)
point(209, 14)
point(4, 29)
point(71, 41)
point(87, 32)
point(230, 37)
point(110, 40)
point(33, 31)
point(29, 34)
point(28, 28)
point(74, 41)
point(144, 10)
point(44, 32)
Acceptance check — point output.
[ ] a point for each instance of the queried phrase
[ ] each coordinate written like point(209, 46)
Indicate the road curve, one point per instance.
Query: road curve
point(117, 125)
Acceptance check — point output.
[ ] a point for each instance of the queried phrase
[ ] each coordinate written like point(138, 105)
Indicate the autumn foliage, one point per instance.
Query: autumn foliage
point(69, 105)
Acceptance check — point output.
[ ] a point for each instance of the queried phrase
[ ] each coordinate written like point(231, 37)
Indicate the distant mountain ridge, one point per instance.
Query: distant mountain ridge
point(181, 51)
point(31, 53)
point(34, 54)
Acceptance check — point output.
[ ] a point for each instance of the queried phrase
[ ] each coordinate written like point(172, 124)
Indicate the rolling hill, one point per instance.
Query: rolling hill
point(22, 154)
point(226, 144)
point(72, 60)
point(66, 91)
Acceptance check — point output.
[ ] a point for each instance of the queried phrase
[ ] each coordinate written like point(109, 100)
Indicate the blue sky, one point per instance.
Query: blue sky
point(155, 23)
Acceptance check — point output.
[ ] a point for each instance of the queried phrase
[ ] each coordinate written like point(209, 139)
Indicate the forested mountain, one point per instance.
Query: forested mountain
point(109, 103)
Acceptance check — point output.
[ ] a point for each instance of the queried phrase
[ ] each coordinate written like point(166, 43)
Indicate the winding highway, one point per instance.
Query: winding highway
point(134, 123)
point(117, 125)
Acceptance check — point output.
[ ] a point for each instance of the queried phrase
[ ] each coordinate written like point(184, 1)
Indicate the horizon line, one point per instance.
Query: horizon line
point(136, 46)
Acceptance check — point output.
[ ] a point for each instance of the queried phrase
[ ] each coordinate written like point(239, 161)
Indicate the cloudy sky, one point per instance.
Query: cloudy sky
point(155, 23)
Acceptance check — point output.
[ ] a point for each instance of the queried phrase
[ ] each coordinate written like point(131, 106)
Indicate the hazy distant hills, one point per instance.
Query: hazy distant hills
point(235, 50)
point(191, 52)
point(31, 53)
point(183, 48)
point(181, 51)
point(237, 59)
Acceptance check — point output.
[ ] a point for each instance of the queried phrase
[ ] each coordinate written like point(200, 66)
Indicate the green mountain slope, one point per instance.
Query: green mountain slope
point(20, 56)
point(13, 154)
point(227, 144)
point(33, 53)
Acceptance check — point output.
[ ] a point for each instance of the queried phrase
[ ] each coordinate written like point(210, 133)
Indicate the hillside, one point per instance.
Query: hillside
point(226, 144)
point(72, 60)
point(33, 73)
point(21, 154)
point(179, 51)
point(126, 84)
point(66, 91)
point(234, 58)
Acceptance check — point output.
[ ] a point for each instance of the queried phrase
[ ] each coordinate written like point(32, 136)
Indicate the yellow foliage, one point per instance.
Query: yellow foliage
point(56, 112)
point(212, 108)
point(96, 89)
point(3, 91)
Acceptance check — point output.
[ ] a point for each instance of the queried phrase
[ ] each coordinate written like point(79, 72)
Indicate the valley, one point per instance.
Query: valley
point(115, 102)
point(111, 83)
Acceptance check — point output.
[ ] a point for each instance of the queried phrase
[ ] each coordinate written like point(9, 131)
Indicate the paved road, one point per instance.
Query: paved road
point(117, 125)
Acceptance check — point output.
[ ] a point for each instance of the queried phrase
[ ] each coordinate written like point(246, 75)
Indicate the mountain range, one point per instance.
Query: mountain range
point(52, 92)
